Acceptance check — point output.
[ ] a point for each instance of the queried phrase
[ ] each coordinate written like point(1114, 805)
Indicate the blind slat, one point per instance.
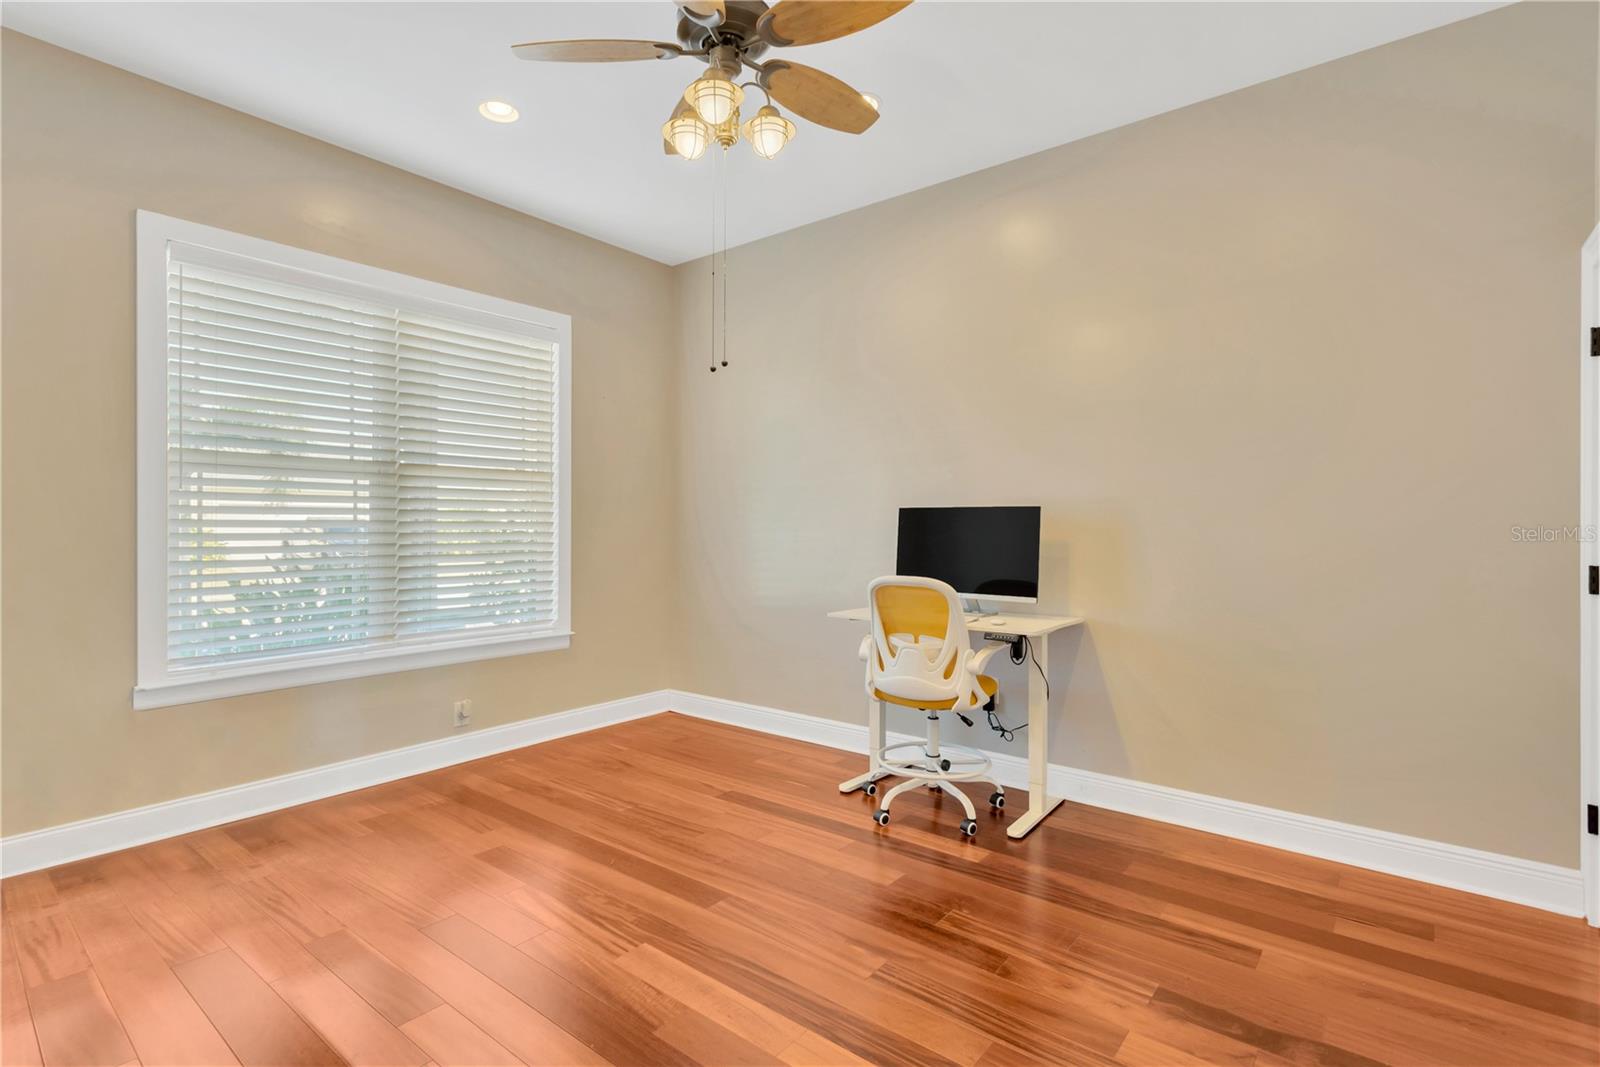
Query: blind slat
point(343, 473)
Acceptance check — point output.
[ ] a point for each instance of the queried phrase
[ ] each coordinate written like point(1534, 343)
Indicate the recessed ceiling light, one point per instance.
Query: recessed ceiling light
point(872, 101)
point(497, 111)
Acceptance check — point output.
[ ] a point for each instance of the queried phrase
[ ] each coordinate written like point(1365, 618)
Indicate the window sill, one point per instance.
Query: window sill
point(266, 677)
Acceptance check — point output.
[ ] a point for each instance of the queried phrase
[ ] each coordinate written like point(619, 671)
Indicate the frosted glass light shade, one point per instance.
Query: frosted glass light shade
point(687, 135)
point(768, 131)
point(713, 96)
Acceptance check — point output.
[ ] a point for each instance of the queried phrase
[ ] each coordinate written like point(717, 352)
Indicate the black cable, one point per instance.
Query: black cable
point(1006, 733)
point(1021, 652)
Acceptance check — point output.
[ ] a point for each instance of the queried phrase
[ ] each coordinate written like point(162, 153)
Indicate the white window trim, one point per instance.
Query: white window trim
point(157, 686)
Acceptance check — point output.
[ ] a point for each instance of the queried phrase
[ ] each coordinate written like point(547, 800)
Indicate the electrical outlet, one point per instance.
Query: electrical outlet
point(463, 713)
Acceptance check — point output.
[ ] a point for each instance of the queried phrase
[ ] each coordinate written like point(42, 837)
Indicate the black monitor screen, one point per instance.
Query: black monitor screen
point(982, 552)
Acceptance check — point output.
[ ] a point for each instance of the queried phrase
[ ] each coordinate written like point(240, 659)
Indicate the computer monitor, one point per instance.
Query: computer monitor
point(984, 553)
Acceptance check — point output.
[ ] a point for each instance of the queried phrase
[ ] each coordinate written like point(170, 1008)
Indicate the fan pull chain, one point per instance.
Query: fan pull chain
point(722, 243)
point(719, 256)
point(713, 318)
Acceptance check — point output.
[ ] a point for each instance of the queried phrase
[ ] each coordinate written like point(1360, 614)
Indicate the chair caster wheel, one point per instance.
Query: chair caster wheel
point(871, 789)
point(969, 828)
point(880, 817)
point(997, 800)
point(944, 765)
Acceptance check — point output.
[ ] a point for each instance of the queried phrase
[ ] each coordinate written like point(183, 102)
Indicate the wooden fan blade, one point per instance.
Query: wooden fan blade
point(705, 12)
point(816, 96)
point(595, 51)
point(792, 22)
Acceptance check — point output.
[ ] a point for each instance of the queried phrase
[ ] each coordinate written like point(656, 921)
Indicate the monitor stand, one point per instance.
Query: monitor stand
point(976, 608)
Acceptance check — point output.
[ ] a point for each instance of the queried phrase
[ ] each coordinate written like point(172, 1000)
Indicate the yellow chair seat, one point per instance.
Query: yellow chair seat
point(988, 684)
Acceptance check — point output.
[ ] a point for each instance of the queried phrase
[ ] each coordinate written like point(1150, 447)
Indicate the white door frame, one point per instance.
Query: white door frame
point(1589, 609)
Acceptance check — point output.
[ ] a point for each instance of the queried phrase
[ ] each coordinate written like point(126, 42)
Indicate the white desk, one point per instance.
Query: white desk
point(1012, 624)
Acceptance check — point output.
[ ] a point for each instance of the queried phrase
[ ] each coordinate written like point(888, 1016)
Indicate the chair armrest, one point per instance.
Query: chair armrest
point(981, 658)
point(865, 649)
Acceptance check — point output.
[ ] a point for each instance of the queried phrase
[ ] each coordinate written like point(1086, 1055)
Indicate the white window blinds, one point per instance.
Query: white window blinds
point(349, 472)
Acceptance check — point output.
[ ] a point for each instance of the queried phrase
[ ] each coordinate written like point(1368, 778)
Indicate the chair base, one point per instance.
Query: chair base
point(935, 768)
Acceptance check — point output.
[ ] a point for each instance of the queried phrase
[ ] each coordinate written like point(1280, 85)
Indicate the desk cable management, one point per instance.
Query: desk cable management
point(1021, 652)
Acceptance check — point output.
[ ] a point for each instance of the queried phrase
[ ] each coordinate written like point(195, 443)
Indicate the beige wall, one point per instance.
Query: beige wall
point(84, 146)
point(1283, 368)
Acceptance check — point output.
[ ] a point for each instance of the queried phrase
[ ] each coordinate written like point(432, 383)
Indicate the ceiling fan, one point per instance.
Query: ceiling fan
point(728, 36)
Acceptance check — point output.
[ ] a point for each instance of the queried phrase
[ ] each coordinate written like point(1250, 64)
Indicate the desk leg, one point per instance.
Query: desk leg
point(1039, 805)
point(875, 742)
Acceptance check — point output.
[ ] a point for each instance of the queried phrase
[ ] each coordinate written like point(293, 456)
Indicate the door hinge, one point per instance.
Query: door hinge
point(1594, 340)
point(1594, 581)
point(1594, 819)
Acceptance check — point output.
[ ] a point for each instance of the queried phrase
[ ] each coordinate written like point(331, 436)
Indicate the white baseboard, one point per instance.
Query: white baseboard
point(1489, 874)
point(21, 853)
point(1538, 885)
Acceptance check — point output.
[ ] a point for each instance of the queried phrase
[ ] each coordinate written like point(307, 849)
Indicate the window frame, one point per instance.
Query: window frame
point(158, 685)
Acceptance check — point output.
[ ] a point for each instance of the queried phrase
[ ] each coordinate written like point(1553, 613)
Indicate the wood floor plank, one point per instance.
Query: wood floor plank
point(724, 1005)
point(803, 984)
point(624, 862)
point(494, 1009)
point(612, 1029)
point(453, 1041)
point(346, 1022)
point(505, 921)
point(822, 849)
point(116, 878)
point(47, 948)
point(1386, 1012)
point(180, 868)
point(396, 995)
point(76, 1023)
point(702, 1041)
point(257, 940)
point(19, 1045)
point(175, 929)
point(28, 894)
point(814, 1050)
point(1142, 1048)
point(733, 908)
point(295, 915)
point(162, 1020)
point(257, 1024)
point(1013, 1013)
point(601, 976)
point(1292, 1047)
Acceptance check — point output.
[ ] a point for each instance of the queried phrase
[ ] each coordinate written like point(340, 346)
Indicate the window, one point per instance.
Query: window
point(342, 471)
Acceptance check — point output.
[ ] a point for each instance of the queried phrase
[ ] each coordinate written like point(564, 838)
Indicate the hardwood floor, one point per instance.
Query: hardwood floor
point(672, 891)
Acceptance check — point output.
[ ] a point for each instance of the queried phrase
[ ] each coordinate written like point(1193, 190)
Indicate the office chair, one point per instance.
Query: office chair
point(918, 656)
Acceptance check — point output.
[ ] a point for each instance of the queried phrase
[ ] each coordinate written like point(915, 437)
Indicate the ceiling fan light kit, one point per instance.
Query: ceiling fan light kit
point(714, 96)
point(686, 135)
point(730, 36)
point(768, 132)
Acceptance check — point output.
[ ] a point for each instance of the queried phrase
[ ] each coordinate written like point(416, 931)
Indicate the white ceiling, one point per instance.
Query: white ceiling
point(964, 86)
